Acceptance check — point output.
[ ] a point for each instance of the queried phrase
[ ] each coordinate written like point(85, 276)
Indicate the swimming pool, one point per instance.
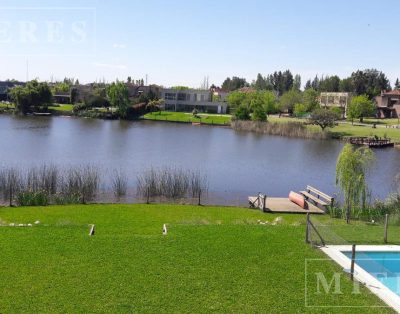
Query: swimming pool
point(384, 266)
point(377, 267)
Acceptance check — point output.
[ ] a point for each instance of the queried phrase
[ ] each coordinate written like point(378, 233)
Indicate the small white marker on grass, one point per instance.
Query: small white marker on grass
point(164, 229)
point(91, 232)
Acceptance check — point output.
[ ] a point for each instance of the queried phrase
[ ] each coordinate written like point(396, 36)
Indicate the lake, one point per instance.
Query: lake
point(237, 164)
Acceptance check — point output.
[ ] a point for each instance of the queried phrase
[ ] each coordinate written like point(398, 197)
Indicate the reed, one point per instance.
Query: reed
point(10, 184)
point(289, 129)
point(80, 183)
point(171, 183)
point(119, 183)
point(198, 186)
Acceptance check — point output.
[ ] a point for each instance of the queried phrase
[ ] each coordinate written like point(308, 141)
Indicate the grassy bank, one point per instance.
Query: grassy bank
point(188, 117)
point(213, 259)
point(345, 130)
point(62, 108)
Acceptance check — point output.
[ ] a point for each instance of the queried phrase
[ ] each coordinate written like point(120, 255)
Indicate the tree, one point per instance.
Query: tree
point(281, 82)
point(360, 107)
point(397, 84)
point(297, 82)
point(310, 99)
point(329, 84)
point(73, 94)
point(269, 102)
point(129, 79)
point(351, 168)
point(32, 96)
point(369, 82)
point(236, 98)
point(21, 97)
point(299, 110)
point(242, 113)
point(118, 95)
point(289, 99)
point(259, 114)
point(234, 83)
point(156, 105)
point(308, 85)
point(346, 85)
point(323, 117)
point(260, 83)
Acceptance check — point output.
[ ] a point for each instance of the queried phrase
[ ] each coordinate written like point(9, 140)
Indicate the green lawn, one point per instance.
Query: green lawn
point(188, 117)
point(62, 107)
point(214, 259)
point(4, 105)
point(343, 130)
point(381, 121)
point(353, 130)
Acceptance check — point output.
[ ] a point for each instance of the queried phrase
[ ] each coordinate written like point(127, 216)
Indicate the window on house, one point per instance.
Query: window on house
point(170, 96)
point(181, 96)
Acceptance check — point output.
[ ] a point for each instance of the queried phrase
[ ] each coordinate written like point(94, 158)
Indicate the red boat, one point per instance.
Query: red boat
point(298, 199)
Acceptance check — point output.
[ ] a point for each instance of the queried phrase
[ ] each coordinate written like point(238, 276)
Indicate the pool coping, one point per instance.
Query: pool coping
point(373, 284)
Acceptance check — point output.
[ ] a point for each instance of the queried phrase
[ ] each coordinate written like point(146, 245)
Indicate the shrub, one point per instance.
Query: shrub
point(259, 114)
point(242, 113)
point(300, 110)
point(28, 198)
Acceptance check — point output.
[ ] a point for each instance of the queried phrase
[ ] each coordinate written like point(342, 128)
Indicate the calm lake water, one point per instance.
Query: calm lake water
point(237, 164)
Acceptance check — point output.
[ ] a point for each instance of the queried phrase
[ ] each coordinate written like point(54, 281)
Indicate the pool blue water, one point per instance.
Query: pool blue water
point(384, 266)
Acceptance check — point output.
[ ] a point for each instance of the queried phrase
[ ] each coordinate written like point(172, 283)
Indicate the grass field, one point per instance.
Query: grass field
point(350, 130)
point(4, 105)
point(214, 259)
point(188, 117)
point(344, 130)
point(381, 121)
point(62, 107)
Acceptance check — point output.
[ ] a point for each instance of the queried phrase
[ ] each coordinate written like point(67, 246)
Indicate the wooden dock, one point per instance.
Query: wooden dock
point(371, 142)
point(283, 205)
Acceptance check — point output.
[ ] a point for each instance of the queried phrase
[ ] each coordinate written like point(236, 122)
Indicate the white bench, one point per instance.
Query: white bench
point(317, 197)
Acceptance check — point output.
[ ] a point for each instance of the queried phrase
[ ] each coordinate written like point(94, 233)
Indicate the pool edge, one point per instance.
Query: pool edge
point(374, 285)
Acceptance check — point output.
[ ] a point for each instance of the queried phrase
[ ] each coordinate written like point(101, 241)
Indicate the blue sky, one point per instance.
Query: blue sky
point(179, 42)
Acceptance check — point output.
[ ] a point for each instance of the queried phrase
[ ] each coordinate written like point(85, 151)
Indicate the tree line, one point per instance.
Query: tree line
point(368, 82)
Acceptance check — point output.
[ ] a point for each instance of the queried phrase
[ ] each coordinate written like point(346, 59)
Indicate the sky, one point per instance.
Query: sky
point(178, 42)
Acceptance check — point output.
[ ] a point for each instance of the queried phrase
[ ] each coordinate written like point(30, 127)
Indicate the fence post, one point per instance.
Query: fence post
point(386, 228)
point(199, 200)
point(11, 194)
point(353, 257)
point(308, 228)
point(264, 201)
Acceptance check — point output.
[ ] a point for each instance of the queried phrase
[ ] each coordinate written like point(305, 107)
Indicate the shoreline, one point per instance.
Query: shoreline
point(330, 134)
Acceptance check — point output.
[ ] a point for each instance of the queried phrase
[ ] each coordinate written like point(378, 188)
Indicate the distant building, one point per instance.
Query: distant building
point(136, 91)
point(62, 97)
point(219, 94)
point(335, 99)
point(5, 87)
point(388, 104)
point(189, 99)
